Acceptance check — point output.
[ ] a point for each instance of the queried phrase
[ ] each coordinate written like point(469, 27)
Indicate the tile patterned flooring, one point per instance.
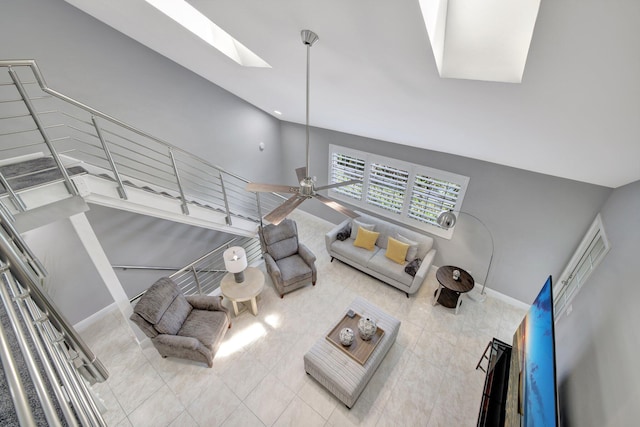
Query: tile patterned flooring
point(258, 379)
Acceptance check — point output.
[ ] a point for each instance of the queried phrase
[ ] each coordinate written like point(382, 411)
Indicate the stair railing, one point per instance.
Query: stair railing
point(36, 118)
point(47, 342)
point(203, 275)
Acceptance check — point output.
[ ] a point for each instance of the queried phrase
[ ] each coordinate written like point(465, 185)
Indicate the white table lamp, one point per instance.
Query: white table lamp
point(235, 261)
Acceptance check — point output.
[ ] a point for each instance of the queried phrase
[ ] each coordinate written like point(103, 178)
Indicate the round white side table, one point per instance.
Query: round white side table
point(246, 291)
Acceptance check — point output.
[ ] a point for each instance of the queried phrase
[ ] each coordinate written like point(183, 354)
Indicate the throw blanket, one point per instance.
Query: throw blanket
point(344, 234)
point(413, 266)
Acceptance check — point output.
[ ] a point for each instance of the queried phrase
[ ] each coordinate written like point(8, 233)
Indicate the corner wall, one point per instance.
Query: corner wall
point(536, 220)
point(598, 343)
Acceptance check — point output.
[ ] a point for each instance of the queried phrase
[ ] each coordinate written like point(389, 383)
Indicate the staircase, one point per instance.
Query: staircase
point(57, 155)
point(54, 149)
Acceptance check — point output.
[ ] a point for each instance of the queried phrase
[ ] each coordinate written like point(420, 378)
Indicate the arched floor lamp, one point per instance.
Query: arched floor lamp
point(446, 220)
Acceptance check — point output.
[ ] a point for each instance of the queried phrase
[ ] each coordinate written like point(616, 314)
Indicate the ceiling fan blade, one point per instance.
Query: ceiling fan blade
point(301, 172)
point(339, 184)
point(270, 188)
point(336, 206)
point(278, 214)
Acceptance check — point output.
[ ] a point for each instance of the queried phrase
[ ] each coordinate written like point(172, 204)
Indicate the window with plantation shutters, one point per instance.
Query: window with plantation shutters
point(430, 196)
point(403, 191)
point(344, 168)
point(387, 187)
point(590, 252)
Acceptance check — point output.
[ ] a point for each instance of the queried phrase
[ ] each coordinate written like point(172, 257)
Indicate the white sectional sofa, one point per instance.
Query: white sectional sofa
point(375, 263)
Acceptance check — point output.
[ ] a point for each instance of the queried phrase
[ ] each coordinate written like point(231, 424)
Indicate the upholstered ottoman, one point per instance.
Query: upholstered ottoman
point(337, 371)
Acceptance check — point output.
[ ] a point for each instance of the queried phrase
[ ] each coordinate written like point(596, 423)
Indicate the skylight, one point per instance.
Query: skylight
point(480, 40)
point(191, 19)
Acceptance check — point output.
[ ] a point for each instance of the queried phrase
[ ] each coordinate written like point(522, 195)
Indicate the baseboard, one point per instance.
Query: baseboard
point(493, 294)
point(506, 298)
point(98, 315)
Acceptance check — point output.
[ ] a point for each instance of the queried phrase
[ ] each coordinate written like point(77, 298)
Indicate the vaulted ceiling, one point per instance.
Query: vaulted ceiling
point(576, 113)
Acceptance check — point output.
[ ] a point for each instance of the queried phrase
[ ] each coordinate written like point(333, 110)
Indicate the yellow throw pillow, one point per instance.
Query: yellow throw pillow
point(366, 239)
point(396, 250)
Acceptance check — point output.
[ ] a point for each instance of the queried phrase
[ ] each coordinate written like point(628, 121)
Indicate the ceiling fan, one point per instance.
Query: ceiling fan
point(307, 188)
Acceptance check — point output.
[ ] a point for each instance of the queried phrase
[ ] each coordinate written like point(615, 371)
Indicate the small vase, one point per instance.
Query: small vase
point(367, 328)
point(456, 274)
point(346, 336)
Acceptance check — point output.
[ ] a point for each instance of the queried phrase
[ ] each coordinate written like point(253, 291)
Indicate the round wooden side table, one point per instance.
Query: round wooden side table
point(246, 291)
point(448, 293)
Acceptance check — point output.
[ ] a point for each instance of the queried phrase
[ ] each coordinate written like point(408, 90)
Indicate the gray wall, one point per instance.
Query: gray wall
point(72, 281)
point(131, 239)
point(536, 220)
point(598, 343)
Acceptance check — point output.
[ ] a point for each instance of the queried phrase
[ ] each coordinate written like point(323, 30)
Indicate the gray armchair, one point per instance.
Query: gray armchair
point(190, 327)
point(290, 264)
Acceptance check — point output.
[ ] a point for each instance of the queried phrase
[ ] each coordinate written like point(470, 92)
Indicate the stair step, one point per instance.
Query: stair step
point(22, 168)
point(34, 173)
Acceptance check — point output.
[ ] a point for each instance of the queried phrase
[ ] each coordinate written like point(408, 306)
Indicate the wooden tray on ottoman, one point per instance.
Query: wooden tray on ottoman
point(359, 350)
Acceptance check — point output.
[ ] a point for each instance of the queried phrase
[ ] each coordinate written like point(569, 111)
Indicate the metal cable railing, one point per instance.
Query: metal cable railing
point(203, 275)
point(37, 119)
point(44, 339)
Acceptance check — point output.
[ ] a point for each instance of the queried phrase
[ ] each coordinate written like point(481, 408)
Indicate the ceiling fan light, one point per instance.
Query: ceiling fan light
point(306, 187)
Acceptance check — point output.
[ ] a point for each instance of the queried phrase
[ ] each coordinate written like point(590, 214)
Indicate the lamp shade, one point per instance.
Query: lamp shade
point(446, 219)
point(235, 259)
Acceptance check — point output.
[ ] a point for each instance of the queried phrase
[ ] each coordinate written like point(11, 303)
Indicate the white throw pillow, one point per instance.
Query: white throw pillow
point(413, 247)
point(354, 227)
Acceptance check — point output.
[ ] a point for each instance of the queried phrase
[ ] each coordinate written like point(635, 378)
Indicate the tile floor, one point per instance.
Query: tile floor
point(258, 379)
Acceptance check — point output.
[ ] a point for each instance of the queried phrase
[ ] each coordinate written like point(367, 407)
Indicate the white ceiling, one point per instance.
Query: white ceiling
point(575, 114)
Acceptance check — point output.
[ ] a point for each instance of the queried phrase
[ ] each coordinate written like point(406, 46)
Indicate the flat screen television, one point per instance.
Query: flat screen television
point(532, 398)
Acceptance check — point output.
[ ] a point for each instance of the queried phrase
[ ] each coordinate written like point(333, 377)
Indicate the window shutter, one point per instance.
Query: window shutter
point(430, 196)
point(387, 187)
point(345, 168)
point(592, 255)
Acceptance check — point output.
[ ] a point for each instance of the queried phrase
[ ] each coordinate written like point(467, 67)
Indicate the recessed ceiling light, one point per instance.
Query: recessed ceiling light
point(278, 112)
point(191, 19)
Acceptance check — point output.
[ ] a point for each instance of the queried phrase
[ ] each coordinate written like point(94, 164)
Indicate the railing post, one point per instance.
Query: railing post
point(226, 200)
point(34, 114)
point(121, 191)
point(14, 197)
point(195, 275)
point(185, 208)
